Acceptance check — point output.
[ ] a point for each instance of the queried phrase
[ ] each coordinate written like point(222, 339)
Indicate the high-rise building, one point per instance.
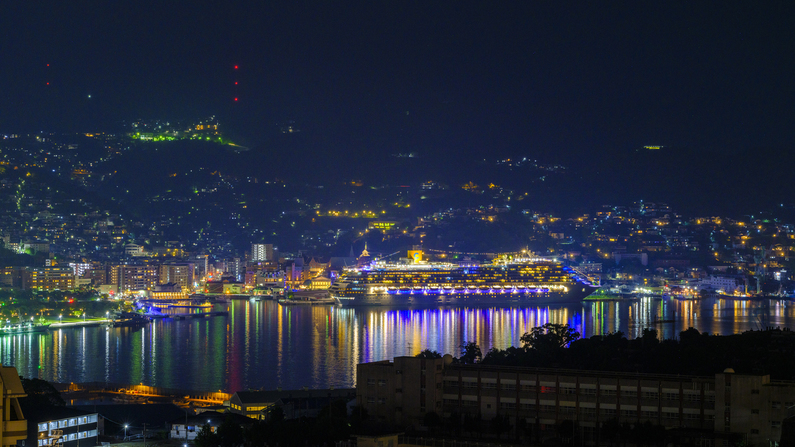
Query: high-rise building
point(262, 252)
point(132, 278)
point(178, 273)
point(236, 267)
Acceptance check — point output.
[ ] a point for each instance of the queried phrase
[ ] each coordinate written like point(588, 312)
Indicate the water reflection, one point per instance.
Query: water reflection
point(263, 344)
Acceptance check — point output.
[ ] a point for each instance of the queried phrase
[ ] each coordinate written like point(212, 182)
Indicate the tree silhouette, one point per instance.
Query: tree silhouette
point(206, 438)
point(429, 354)
point(549, 337)
point(470, 353)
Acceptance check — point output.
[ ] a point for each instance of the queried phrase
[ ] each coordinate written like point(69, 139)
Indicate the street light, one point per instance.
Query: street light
point(125, 432)
point(59, 318)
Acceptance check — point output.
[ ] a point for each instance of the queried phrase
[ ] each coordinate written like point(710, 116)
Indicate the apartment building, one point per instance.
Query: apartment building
point(718, 408)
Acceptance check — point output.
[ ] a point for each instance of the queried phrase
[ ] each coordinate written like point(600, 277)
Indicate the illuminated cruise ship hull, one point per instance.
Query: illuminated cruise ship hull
point(527, 284)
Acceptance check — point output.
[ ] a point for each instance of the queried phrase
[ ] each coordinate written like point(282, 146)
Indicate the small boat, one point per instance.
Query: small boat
point(126, 319)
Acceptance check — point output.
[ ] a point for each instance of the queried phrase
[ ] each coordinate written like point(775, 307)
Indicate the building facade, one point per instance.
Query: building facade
point(48, 278)
point(262, 252)
point(181, 274)
point(69, 427)
point(14, 426)
point(720, 408)
point(133, 278)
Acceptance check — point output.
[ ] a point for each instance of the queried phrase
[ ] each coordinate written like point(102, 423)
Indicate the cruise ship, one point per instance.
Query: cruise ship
point(515, 282)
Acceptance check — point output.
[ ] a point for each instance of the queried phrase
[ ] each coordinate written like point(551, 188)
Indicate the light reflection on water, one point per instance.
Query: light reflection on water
point(263, 344)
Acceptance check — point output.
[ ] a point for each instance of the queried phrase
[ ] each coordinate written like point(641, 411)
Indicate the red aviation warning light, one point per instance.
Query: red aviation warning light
point(235, 67)
point(235, 99)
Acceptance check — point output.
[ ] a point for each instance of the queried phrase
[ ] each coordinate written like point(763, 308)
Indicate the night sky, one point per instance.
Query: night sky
point(506, 77)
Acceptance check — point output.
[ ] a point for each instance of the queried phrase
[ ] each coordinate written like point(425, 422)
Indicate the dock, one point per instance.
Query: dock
point(215, 313)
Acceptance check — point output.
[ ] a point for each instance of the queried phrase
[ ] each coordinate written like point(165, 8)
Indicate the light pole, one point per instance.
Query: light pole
point(125, 432)
point(60, 317)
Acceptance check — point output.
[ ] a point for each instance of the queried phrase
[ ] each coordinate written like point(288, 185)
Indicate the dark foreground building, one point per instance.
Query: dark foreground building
point(716, 410)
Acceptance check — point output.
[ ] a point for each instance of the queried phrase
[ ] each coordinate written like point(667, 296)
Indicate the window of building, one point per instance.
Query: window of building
point(629, 413)
point(371, 400)
point(489, 386)
point(629, 393)
point(754, 391)
point(451, 383)
point(605, 392)
point(450, 402)
point(508, 386)
point(507, 405)
point(671, 396)
point(370, 381)
point(667, 415)
point(381, 400)
point(755, 411)
point(568, 390)
point(588, 391)
point(608, 412)
point(651, 395)
point(649, 414)
point(381, 382)
point(527, 406)
point(775, 424)
point(776, 405)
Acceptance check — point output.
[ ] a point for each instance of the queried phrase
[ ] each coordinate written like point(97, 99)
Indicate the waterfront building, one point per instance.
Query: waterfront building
point(722, 407)
point(294, 403)
point(14, 426)
point(724, 284)
point(317, 283)
point(269, 279)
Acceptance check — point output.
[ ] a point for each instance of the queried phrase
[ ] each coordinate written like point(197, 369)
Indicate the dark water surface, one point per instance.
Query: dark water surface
point(264, 344)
